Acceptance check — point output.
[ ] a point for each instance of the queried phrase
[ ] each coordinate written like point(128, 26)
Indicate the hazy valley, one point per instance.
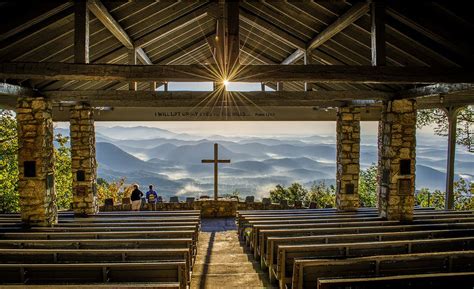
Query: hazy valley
point(172, 161)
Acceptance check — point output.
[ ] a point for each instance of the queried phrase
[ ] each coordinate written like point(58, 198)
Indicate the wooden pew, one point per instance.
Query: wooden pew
point(270, 255)
point(260, 235)
point(306, 272)
point(162, 272)
point(137, 219)
point(462, 280)
point(112, 229)
point(288, 253)
point(103, 244)
point(71, 256)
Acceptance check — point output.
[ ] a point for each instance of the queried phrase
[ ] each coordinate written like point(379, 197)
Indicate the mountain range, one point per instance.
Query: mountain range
point(172, 161)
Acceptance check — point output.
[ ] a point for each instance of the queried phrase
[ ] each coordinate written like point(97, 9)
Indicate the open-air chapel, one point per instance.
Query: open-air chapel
point(344, 61)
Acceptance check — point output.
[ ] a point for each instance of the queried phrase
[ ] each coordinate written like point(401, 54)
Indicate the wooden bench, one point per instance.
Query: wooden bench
point(103, 244)
point(306, 273)
point(318, 230)
point(112, 229)
point(162, 272)
point(70, 256)
point(270, 256)
point(140, 219)
point(462, 280)
point(288, 253)
point(168, 285)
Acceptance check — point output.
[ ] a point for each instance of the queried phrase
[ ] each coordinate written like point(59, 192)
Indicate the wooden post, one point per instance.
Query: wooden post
point(232, 32)
point(216, 177)
point(306, 58)
point(81, 32)
point(132, 60)
point(452, 113)
point(378, 33)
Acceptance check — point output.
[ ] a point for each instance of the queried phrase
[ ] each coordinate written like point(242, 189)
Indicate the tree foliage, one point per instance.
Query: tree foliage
point(319, 193)
point(368, 187)
point(463, 196)
point(9, 199)
point(114, 190)
point(439, 119)
point(62, 173)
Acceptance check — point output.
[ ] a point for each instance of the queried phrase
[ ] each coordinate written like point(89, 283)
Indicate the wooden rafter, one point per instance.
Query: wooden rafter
point(81, 32)
point(438, 89)
point(378, 33)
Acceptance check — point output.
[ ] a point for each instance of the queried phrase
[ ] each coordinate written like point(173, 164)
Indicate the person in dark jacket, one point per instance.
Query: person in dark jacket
point(136, 198)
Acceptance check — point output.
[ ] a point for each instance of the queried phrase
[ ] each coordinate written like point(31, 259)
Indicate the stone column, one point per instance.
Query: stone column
point(348, 156)
point(36, 161)
point(84, 166)
point(396, 166)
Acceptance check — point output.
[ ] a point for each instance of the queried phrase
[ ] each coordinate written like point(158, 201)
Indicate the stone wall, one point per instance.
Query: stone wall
point(396, 166)
point(84, 166)
point(209, 208)
point(36, 161)
point(348, 156)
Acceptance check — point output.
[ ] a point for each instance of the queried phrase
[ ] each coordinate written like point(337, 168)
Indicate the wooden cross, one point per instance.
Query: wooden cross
point(215, 161)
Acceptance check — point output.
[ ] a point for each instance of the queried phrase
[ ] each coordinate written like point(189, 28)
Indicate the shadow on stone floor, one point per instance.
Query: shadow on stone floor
point(218, 225)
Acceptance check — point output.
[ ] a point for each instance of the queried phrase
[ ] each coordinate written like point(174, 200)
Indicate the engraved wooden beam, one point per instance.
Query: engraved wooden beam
point(248, 73)
point(124, 98)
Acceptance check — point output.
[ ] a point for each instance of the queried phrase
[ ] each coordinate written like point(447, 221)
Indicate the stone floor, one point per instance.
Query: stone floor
point(221, 260)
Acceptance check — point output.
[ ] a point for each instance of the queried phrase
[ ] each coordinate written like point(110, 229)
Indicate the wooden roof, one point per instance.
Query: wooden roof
point(417, 33)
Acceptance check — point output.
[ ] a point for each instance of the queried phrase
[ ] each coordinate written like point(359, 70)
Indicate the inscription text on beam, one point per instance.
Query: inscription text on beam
point(215, 161)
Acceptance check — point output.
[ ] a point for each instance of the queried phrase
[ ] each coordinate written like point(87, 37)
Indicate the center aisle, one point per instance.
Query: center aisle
point(222, 262)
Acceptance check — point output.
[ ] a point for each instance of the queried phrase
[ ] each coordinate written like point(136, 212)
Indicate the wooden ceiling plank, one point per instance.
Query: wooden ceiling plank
point(175, 25)
point(272, 30)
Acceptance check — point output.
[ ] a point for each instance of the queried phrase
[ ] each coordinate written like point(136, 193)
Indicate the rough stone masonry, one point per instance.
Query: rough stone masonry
point(36, 161)
point(83, 161)
point(348, 156)
point(396, 167)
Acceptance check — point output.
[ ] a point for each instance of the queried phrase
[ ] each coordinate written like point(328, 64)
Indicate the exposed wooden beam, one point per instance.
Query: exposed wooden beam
point(358, 10)
point(232, 41)
point(124, 98)
point(437, 90)
point(101, 12)
point(143, 57)
point(81, 32)
point(132, 60)
point(7, 89)
point(378, 33)
point(292, 58)
point(447, 100)
point(250, 73)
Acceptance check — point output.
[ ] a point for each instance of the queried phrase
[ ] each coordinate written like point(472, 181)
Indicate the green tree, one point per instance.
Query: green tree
point(438, 118)
point(368, 187)
point(322, 195)
point(295, 192)
point(62, 173)
point(9, 199)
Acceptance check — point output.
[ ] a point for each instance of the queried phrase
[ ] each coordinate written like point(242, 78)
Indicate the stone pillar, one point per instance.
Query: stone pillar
point(396, 165)
point(84, 166)
point(348, 156)
point(36, 161)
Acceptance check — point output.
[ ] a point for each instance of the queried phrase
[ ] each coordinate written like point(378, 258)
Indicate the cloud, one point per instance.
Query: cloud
point(189, 189)
point(263, 191)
